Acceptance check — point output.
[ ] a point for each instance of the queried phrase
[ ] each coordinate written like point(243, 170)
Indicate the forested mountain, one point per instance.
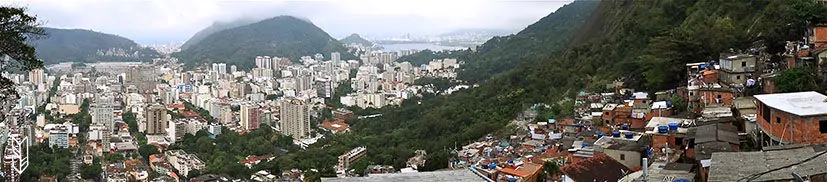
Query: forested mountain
point(215, 27)
point(62, 45)
point(541, 40)
point(356, 39)
point(282, 36)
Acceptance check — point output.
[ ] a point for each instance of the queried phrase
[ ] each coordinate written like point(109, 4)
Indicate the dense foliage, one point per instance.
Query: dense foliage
point(282, 36)
point(76, 45)
point(356, 39)
point(796, 80)
point(48, 161)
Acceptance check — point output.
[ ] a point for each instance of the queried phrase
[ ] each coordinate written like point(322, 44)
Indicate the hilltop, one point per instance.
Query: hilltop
point(282, 36)
point(77, 45)
point(356, 39)
point(215, 27)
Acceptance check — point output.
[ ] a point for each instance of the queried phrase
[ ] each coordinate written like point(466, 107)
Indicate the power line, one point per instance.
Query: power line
point(757, 175)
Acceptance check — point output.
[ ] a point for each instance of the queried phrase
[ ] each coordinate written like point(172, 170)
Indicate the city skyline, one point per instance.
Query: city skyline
point(157, 22)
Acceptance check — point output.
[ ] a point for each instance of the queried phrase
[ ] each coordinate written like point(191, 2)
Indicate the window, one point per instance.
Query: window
point(778, 120)
point(743, 64)
point(623, 157)
point(738, 77)
point(822, 126)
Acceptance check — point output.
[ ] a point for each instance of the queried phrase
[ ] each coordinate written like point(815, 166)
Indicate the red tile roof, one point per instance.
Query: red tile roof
point(338, 125)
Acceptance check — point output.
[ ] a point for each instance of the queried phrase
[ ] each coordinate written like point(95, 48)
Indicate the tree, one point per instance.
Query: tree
point(114, 158)
point(16, 28)
point(147, 150)
point(796, 80)
point(91, 171)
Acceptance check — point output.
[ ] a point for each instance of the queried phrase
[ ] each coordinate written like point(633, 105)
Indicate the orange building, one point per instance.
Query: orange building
point(787, 118)
point(715, 96)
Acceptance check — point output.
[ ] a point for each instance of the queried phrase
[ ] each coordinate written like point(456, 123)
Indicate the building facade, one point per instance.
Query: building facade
point(295, 118)
point(790, 118)
point(156, 119)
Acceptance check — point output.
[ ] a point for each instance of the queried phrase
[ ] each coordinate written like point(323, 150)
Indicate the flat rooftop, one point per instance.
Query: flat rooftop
point(451, 175)
point(799, 103)
point(732, 166)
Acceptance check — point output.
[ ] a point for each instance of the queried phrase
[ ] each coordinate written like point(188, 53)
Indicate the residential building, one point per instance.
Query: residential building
point(787, 118)
point(324, 87)
point(36, 76)
point(156, 119)
point(295, 118)
point(352, 156)
point(737, 69)
point(58, 138)
point(184, 162)
point(249, 116)
point(335, 56)
point(103, 114)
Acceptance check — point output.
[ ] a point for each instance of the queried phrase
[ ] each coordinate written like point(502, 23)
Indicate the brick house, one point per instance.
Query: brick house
point(787, 118)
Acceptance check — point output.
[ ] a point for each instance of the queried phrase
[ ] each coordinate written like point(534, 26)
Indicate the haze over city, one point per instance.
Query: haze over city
point(150, 22)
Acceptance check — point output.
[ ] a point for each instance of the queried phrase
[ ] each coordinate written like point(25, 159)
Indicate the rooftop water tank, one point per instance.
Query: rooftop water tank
point(629, 135)
point(662, 129)
point(673, 126)
point(599, 134)
point(615, 134)
point(492, 166)
point(624, 126)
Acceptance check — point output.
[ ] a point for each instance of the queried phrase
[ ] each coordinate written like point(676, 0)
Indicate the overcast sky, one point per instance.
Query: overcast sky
point(158, 21)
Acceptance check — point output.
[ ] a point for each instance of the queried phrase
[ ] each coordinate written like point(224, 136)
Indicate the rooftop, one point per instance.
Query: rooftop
point(799, 103)
point(731, 166)
point(451, 175)
point(601, 167)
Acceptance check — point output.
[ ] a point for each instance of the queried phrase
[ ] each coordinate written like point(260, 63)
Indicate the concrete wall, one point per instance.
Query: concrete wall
point(631, 159)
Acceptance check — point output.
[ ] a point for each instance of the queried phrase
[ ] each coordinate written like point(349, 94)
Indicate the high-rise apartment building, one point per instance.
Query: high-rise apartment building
point(295, 118)
point(36, 76)
point(335, 56)
point(103, 114)
point(249, 116)
point(156, 119)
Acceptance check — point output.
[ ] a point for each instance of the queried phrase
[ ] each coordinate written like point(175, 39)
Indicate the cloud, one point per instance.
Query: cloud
point(159, 21)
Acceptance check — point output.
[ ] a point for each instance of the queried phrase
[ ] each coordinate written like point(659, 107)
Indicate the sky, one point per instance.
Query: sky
point(163, 21)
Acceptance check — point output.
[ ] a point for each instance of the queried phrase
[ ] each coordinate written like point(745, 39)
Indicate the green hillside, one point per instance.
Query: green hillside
point(282, 36)
point(76, 45)
point(356, 39)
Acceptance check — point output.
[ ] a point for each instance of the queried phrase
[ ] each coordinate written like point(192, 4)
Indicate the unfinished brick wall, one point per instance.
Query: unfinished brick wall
point(782, 125)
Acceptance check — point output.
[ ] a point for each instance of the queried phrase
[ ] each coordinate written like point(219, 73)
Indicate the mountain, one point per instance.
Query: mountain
point(215, 27)
point(644, 43)
point(282, 36)
point(356, 39)
point(62, 45)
